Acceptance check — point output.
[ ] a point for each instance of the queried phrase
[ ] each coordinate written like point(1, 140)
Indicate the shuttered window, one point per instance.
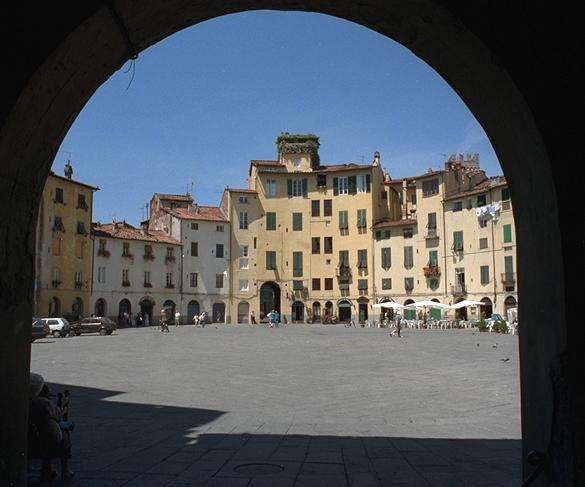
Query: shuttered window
point(297, 264)
point(297, 222)
point(362, 258)
point(361, 218)
point(343, 220)
point(408, 257)
point(270, 220)
point(386, 257)
point(507, 233)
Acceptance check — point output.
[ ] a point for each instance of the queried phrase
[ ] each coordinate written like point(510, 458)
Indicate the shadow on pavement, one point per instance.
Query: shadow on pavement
point(131, 444)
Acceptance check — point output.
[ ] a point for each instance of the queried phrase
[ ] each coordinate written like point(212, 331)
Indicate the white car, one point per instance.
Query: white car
point(59, 327)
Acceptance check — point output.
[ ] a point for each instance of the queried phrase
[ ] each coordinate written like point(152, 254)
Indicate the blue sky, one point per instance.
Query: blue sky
point(199, 105)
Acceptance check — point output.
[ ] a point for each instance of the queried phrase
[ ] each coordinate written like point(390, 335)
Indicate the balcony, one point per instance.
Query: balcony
point(148, 256)
point(431, 233)
point(78, 284)
point(343, 271)
point(458, 290)
point(147, 284)
point(432, 271)
point(509, 278)
point(55, 283)
point(126, 283)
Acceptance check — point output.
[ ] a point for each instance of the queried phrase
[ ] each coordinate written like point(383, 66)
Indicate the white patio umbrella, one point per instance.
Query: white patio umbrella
point(465, 303)
point(388, 304)
point(428, 304)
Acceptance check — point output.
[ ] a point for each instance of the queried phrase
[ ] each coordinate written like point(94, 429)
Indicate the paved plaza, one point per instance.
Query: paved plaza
point(299, 405)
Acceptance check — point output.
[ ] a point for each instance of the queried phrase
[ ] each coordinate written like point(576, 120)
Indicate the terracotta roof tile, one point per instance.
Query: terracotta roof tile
point(203, 213)
point(125, 231)
point(487, 185)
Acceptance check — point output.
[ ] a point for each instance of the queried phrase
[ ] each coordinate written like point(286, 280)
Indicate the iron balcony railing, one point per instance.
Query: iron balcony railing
point(458, 289)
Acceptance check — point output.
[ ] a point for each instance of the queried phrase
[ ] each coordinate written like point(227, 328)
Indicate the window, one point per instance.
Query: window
point(362, 258)
point(343, 285)
point(194, 226)
point(315, 208)
point(296, 187)
point(483, 222)
point(219, 281)
point(81, 203)
point(219, 251)
point(386, 283)
point(362, 284)
point(193, 277)
point(321, 180)
point(270, 188)
point(408, 257)
point(432, 221)
point(361, 183)
point(386, 258)
point(170, 280)
point(243, 220)
point(243, 200)
point(327, 207)
point(344, 258)
point(79, 249)
point(316, 245)
point(483, 243)
point(101, 274)
point(243, 284)
point(342, 185)
point(298, 285)
point(194, 249)
point(481, 201)
point(387, 234)
point(361, 218)
point(409, 283)
point(297, 163)
point(505, 194)
point(170, 257)
point(244, 261)
point(255, 241)
point(457, 205)
point(58, 224)
point(270, 220)
point(125, 277)
point(507, 233)
point(271, 260)
point(433, 258)
point(58, 195)
point(126, 249)
point(316, 284)
point(219, 228)
point(458, 241)
point(407, 232)
point(343, 220)
point(297, 264)
point(328, 284)
point(328, 245)
point(78, 280)
point(430, 187)
point(485, 274)
point(297, 222)
point(147, 282)
point(383, 195)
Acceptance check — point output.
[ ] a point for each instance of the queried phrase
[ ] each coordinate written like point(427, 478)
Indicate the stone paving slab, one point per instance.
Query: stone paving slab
point(300, 405)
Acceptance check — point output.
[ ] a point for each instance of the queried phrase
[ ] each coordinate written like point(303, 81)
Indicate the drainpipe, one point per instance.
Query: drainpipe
point(494, 258)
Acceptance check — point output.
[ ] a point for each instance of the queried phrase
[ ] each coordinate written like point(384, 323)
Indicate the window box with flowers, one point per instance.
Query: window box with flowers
point(104, 253)
point(169, 259)
point(432, 271)
point(149, 256)
point(128, 256)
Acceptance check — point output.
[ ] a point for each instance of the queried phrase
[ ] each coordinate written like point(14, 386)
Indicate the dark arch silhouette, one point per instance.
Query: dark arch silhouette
point(516, 66)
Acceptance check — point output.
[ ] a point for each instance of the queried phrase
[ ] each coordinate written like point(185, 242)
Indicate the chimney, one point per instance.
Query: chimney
point(144, 228)
point(376, 161)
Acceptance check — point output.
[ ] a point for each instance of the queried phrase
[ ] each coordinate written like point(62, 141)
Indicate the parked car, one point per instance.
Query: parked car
point(39, 329)
point(99, 324)
point(59, 327)
point(495, 317)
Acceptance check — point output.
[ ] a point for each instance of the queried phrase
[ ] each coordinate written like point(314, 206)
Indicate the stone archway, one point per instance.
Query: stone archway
point(51, 80)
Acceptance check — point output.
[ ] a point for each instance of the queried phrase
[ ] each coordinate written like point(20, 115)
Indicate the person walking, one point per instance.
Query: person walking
point(397, 325)
point(252, 318)
point(177, 318)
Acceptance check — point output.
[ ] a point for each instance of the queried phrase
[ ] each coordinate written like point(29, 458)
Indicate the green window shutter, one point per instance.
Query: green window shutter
point(435, 313)
point(289, 187)
point(297, 264)
point(305, 186)
point(362, 284)
point(386, 258)
point(297, 222)
point(457, 241)
point(368, 183)
point(344, 258)
point(507, 233)
point(335, 186)
point(432, 220)
point(352, 184)
point(343, 220)
point(270, 220)
point(433, 258)
point(408, 261)
point(270, 259)
point(485, 274)
point(409, 283)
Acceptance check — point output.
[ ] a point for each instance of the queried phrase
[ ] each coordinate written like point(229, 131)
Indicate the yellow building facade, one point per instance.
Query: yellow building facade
point(63, 248)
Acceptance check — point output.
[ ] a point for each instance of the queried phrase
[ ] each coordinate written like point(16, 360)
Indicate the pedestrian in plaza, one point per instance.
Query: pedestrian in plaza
point(195, 319)
point(397, 325)
point(252, 317)
point(139, 320)
point(177, 318)
point(271, 318)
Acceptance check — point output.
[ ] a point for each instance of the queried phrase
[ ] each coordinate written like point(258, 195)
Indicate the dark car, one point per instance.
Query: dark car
point(39, 329)
point(99, 324)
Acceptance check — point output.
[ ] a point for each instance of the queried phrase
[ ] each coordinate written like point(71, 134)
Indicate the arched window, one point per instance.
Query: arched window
point(316, 311)
point(100, 307)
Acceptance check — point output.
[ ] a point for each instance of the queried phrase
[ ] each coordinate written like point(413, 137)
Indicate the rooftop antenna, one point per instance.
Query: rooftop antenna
point(190, 188)
point(142, 208)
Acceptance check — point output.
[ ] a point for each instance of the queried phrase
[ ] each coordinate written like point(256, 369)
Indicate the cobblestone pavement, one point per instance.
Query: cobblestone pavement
point(299, 405)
